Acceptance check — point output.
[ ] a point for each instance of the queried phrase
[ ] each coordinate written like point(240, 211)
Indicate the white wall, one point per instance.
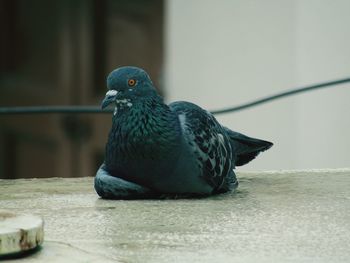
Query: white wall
point(223, 53)
point(323, 53)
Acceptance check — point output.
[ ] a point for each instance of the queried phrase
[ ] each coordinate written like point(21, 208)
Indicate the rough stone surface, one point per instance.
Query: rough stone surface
point(272, 217)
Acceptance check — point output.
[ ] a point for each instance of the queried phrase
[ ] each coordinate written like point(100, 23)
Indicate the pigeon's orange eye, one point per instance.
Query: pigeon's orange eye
point(131, 82)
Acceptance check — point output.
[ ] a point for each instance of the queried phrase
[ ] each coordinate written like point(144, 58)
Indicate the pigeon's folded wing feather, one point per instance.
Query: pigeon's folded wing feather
point(208, 141)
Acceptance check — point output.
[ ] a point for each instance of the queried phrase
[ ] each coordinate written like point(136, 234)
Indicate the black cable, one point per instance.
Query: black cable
point(281, 95)
point(53, 109)
point(96, 109)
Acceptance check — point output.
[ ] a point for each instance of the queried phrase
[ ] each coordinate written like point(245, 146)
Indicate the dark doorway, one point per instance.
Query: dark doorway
point(59, 53)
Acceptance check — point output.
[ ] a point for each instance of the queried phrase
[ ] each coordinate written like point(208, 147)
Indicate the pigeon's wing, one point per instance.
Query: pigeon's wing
point(111, 187)
point(209, 143)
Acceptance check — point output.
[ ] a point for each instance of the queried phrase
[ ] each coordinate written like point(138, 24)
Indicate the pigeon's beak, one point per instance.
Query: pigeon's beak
point(110, 97)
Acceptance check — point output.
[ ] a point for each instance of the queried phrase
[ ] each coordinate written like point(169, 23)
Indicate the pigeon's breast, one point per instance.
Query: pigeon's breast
point(141, 155)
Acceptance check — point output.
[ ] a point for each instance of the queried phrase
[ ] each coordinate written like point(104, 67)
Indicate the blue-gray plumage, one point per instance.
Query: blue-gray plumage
point(155, 149)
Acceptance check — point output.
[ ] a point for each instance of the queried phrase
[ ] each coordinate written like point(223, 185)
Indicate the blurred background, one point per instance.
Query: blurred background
point(214, 53)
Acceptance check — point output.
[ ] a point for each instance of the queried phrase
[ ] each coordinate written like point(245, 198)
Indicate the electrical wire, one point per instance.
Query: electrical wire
point(53, 109)
point(281, 95)
point(96, 109)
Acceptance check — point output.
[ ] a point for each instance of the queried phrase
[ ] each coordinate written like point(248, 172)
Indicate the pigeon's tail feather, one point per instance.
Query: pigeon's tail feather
point(246, 148)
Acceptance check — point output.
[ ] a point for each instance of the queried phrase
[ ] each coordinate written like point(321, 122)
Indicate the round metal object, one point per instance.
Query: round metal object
point(19, 233)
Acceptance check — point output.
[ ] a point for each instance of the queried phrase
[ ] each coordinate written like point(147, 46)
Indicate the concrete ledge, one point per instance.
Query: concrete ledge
point(279, 216)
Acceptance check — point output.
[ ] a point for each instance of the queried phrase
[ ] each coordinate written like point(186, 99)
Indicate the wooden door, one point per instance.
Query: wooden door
point(59, 53)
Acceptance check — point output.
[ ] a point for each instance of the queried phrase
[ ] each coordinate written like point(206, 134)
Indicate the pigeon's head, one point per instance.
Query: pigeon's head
point(126, 84)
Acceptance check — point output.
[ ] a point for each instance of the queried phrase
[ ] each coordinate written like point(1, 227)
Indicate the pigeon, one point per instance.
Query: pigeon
point(159, 150)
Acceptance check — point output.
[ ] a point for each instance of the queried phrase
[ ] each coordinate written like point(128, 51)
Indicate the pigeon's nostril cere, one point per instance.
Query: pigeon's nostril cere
point(111, 93)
